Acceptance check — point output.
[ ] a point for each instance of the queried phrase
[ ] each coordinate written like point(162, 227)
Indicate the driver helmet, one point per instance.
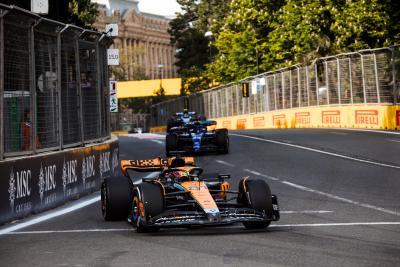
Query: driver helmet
point(180, 175)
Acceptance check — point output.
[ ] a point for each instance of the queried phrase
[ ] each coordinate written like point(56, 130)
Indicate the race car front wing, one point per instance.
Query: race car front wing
point(225, 216)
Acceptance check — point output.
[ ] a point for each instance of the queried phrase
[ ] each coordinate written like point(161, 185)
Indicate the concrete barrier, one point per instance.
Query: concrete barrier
point(37, 183)
point(362, 116)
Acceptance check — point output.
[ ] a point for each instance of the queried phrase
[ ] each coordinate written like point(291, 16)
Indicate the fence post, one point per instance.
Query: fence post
point(308, 86)
point(291, 88)
point(59, 78)
point(338, 81)
point(299, 98)
point(326, 82)
point(316, 82)
point(2, 84)
point(99, 82)
point(378, 94)
point(362, 77)
point(351, 81)
point(276, 98)
point(32, 77)
point(395, 89)
point(78, 77)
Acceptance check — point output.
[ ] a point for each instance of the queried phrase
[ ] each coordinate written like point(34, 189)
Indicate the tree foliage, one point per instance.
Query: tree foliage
point(261, 35)
point(128, 62)
point(82, 13)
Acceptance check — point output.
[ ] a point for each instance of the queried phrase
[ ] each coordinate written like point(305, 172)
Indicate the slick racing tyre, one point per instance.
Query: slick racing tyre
point(171, 122)
point(260, 200)
point(171, 143)
point(148, 201)
point(116, 197)
point(222, 140)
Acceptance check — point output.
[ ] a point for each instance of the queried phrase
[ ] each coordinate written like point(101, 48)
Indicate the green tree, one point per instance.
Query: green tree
point(300, 33)
point(194, 49)
point(82, 13)
point(361, 24)
point(243, 39)
point(129, 62)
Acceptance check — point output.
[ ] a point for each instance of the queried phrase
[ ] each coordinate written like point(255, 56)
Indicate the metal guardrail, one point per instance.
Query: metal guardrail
point(363, 77)
point(53, 84)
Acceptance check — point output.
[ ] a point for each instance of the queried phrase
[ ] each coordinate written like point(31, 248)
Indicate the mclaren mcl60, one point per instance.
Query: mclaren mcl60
point(180, 195)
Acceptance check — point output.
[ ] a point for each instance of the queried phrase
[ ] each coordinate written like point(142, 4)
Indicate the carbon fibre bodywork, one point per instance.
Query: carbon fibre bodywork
point(191, 198)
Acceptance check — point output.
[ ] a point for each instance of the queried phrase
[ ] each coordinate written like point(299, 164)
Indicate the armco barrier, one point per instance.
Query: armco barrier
point(357, 116)
point(34, 184)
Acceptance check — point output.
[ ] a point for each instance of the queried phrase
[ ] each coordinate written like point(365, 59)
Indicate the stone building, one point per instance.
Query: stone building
point(141, 32)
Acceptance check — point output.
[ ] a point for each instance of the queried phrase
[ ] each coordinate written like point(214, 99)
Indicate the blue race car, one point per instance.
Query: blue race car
point(188, 133)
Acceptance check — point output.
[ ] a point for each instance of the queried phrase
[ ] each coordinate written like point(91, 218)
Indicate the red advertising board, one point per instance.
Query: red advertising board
point(259, 122)
point(369, 117)
point(331, 117)
point(302, 117)
point(241, 124)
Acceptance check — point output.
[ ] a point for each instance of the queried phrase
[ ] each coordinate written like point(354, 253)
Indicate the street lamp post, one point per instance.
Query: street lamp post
point(208, 35)
point(160, 67)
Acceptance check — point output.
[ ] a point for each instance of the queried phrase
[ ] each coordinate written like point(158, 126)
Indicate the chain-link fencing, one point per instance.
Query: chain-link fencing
point(364, 77)
point(54, 90)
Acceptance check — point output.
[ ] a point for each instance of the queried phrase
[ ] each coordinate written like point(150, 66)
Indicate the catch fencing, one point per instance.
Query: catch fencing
point(54, 89)
point(364, 77)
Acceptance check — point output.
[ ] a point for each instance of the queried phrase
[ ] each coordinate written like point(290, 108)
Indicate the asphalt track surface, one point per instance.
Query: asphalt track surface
point(338, 190)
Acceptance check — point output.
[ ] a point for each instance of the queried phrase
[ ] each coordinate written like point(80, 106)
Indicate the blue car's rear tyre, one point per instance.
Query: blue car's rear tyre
point(171, 143)
point(222, 140)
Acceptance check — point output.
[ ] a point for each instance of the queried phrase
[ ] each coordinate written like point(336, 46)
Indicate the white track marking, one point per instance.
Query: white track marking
point(318, 151)
point(50, 215)
point(225, 163)
point(73, 231)
point(341, 198)
point(262, 175)
point(158, 142)
point(338, 133)
point(147, 176)
point(391, 140)
point(368, 130)
point(305, 211)
point(335, 224)
point(271, 226)
point(360, 204)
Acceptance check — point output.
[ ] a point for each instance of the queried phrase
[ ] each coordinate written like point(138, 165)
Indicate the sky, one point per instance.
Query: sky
point(159, 7)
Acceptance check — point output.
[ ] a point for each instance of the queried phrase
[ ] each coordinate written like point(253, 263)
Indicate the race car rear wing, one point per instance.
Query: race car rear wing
point(156, 164)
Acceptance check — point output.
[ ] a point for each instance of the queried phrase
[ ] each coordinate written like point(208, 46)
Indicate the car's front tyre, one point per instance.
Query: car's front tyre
point(116, 197)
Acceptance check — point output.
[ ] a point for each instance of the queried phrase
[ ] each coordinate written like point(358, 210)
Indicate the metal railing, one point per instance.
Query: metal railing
point(53, 84)
point(363, 77)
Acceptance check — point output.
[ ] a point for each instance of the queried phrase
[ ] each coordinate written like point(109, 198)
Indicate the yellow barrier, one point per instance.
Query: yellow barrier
point(158, 129)
point(119, 132)
point(362, 116)
point(384, 117)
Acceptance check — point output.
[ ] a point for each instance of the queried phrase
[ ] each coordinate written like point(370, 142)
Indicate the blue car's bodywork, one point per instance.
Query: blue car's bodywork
point(189, 134)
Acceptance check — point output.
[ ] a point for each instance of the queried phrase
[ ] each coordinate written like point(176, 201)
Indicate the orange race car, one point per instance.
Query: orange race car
point(180, 195)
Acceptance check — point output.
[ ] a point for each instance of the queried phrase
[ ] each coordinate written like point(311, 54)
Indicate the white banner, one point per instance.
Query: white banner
point(113, 57)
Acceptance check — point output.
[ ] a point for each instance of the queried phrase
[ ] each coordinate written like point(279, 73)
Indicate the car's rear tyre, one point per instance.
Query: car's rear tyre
point(170, 123)
point(148, 202)
point(260, 199)
point(171, 143)
point(116, 198)
point(222, 140)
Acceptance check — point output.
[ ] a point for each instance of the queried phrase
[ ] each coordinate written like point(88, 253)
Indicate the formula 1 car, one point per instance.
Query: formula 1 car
point(182, 196)
point(183, 118)
point(188, 134)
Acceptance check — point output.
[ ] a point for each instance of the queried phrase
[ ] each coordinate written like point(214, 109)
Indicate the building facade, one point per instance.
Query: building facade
point(143, 39)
